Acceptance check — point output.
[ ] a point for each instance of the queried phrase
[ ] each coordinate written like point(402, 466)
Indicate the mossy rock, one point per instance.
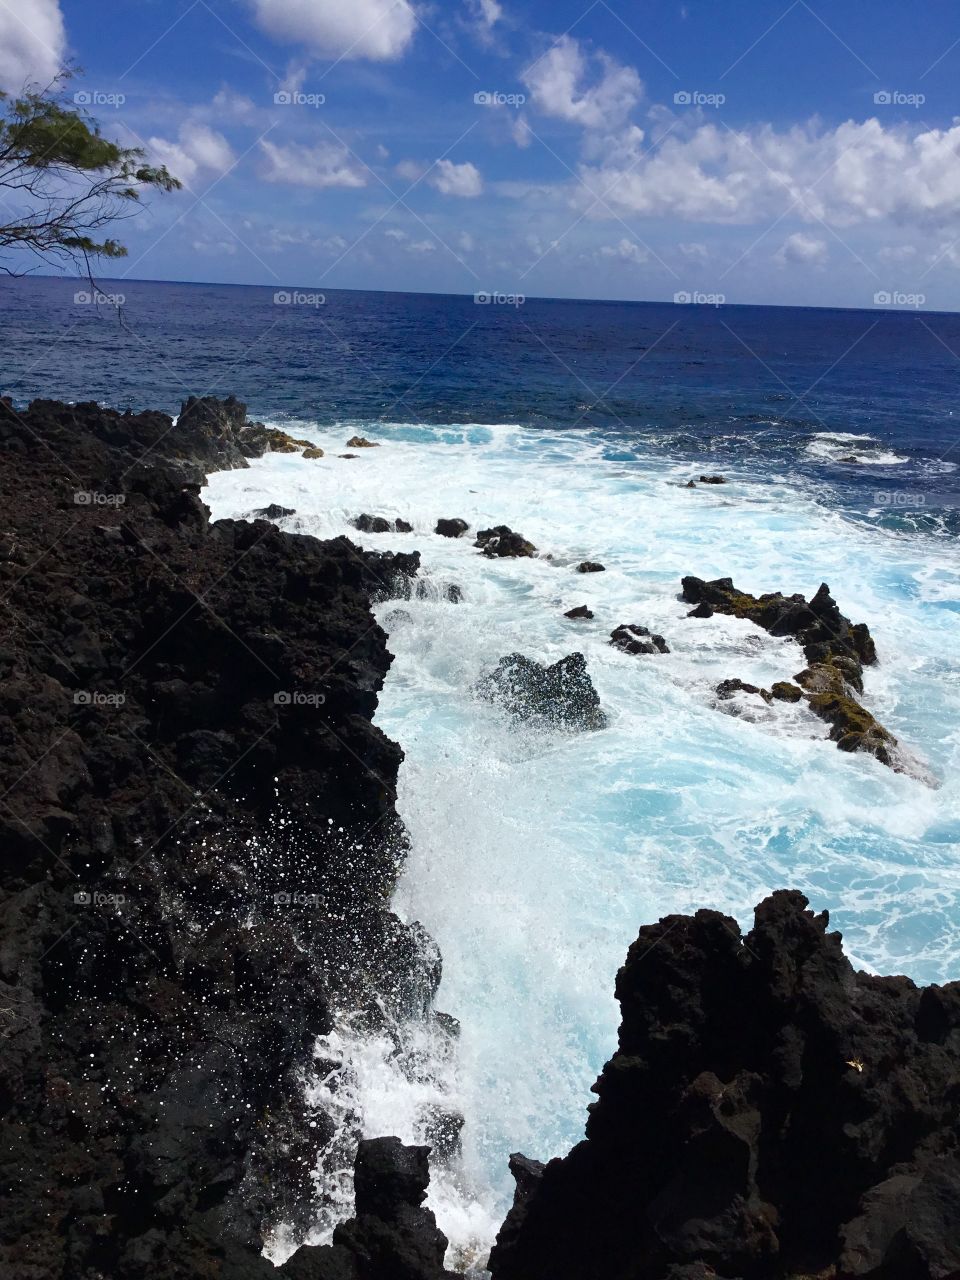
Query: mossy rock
point(313, 452)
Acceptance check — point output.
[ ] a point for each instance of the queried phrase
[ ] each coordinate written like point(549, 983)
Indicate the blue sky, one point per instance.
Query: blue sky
point(629, 150)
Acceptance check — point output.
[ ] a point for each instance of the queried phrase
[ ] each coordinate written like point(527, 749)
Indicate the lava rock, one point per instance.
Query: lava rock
point(703, 610)
point(561, 695)
point(727, 688)
point(501, 542)
point(274, 512)
point(451, 528)
point(784, 691)
point(713, 479)
point(581, 611)
point(637, 640)
point(360, 442)
point(769, 1110)
point(591, 566)
point(379, 524)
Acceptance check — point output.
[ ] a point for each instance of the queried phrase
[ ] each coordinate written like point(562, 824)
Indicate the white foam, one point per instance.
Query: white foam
point(535, 859)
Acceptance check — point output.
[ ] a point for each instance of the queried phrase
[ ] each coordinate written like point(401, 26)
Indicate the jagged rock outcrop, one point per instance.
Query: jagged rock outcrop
point(392, 1235)
point(634, 639)
point(502, 542)
point(560, 696)
point(199, 840)
point(770, 1113)
point(366, 523)
point(836, 651)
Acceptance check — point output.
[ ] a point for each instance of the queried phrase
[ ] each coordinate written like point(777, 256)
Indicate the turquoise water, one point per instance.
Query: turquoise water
point(536, 857)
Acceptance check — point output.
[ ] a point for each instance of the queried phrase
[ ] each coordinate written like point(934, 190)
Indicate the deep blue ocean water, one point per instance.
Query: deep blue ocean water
point(754, 384)
point(535, 858)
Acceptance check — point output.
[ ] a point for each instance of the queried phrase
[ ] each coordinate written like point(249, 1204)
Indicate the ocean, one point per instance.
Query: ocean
point(536, 856)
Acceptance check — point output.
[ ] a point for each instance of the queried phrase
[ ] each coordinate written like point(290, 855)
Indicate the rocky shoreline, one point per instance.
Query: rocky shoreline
point(200, 846)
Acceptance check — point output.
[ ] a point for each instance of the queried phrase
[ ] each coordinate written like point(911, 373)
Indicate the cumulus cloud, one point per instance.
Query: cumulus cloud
point(521, 132)
point(557, 86)
point(323, 165)
point(197, 149)
point(625, 251)
point(855, 173)
point(803, 249)
point(33, 43)
point(456, 179)
point(694, 251)
point(377, 29)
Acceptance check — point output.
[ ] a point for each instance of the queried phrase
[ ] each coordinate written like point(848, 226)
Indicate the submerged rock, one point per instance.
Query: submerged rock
point(379, 524)
point(561, 695)
point(637, 640)
point(727, 689)
point(451, 528)
point(770, 1112)
point(591, 566)
point(274, 512)
point(713, 479)
point(501, 542)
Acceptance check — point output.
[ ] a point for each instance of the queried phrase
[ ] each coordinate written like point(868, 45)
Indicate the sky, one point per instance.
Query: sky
point(753, 152)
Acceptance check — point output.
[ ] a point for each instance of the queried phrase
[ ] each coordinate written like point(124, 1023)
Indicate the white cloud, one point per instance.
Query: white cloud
point(897, 253)
point(467, 242)
point(456, 179)
point(484, 14)
point(855, 173)
point(377, 29)
point(803, 249)
point(556, 86)
point(694, 251)
point(33, 43)
point(325, 164)
point(521, 132)
point(197, 149)
point(410, 170)
point(626, 251)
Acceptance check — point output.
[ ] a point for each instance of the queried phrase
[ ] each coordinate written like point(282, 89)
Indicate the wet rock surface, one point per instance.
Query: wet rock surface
point(451, 528)
point(380, 524)
point(199, 840)
point(632, 638)
point(558, 696)
point(501, 542)
point(580, 611)
point(769, 1113)
point(836, 651)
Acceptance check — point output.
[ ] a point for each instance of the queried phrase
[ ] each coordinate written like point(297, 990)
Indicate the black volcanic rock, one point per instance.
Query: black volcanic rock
point(501, 541)
point(379, 524)
point(836, 651)
point(581, 611)
point(451, 528)
point(274, 512)
point(198, 842)
point(392, 1237)
point(770, 1112)
point(561, 695)
point(590, 566)
point(635, 639)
